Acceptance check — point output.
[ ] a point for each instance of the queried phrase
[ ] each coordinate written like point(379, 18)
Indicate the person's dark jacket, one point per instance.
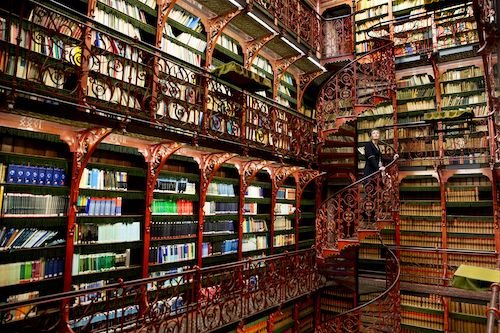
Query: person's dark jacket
point(372, 157)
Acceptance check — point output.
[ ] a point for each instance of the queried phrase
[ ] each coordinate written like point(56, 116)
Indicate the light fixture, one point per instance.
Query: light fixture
point(293, 46)
point(314, 61)
point(262, 23)
point(236, 4)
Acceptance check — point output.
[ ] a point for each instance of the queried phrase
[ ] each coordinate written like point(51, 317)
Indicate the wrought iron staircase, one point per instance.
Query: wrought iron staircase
point(360, 85)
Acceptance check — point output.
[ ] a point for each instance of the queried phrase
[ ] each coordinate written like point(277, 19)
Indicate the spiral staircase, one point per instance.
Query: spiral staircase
point(365, 207)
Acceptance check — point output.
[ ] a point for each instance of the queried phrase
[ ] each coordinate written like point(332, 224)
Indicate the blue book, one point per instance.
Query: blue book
point(49, 173)
point(28, 174)
point(91, 205)
point(41, 175)
point(34, 175)
point(94, 178)
point(11, 173)
point(62, 179)
point(20, 170)
point(49, 268)
point(56, 181)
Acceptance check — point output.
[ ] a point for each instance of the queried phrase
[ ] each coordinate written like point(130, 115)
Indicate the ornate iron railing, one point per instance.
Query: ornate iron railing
point(199, 300)
point(357, 211)
point(297, 16)
point(493, 313)
point(381, 314)
point(360, 85)
point(56, 53)
point(337, 37)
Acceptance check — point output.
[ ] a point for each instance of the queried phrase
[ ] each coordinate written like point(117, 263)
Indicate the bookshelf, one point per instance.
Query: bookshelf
point(370, 13)
point(33, 203)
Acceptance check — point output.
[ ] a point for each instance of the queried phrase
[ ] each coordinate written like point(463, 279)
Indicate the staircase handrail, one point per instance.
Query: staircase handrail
point(364, 179)
point(493, 311)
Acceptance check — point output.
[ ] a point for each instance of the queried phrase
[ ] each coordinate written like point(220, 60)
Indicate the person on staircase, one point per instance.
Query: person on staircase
point(373, 155)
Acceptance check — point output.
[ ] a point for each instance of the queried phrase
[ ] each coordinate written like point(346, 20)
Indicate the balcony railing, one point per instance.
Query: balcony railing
point(298, 17)
point(337, 37)
point(46, 50)
point(192, 301)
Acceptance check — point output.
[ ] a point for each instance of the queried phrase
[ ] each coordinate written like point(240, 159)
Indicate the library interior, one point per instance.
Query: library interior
point(249, 166)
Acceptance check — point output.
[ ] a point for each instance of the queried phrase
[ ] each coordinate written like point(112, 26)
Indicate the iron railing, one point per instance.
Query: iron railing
point(198, 300)
point(337, 36)
point(358, 210)
point(298, 17)
point(50, 51)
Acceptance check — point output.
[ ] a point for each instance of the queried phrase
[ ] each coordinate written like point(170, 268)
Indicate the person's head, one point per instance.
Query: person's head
point(375, 134)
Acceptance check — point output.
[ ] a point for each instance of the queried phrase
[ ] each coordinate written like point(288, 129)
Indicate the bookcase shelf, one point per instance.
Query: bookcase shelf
point(139, 24)
point(124, 273)
point(14, 255)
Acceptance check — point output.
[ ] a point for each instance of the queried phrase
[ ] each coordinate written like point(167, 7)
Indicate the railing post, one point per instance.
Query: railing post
point(492, 312)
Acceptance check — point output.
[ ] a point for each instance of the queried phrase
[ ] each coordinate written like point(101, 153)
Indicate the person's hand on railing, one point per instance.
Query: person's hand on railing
point(382, 168)
point(396, 156)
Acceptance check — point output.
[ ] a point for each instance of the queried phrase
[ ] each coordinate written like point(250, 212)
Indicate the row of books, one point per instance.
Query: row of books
point(284, 209)
point(221, 189)
point(33, 205)
point(413, 25)
point(374, 123)
point(449, 101)
point(104, 179)
point(117, 68)
point(369, 253)
point(284, 240)
point(228, 43)
point(252, 225)
point(458, 143)
point(172, 253)
point(462, 74)
point(117, 23)
point(476, 244)
point(286, 193)
point(181, 52)
point(99, 262)
point(112, 93)
point(21, 312)
point(175, 185)
point(216, 208)
point(262, 64)
point(417, 105)
point(382, 9)
point(27, 238)
point(421, 258)
point(455, 260)
point(250, 208)
point(336, 305)
point(226, 246)
point(421, 241)
point(217, 227)
point(30, 174)
point(126, 8)
point(186, 19)
point(161, 230)
point(406, 4)
point(87, 233)
point(282, 223)
point(172, 207)
point(29, 271)
point(468, 308)
point(458, 325)
point(422, 319)
point(88, 298)
point(410, 224)
point(470, 181)
point(414, 80)
point(428, 302)
point(472, 227)
point(253, 243)
point(459, 195)
point(416, 93)
point(99, 206)
point(254, 192)
point(380, 110)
